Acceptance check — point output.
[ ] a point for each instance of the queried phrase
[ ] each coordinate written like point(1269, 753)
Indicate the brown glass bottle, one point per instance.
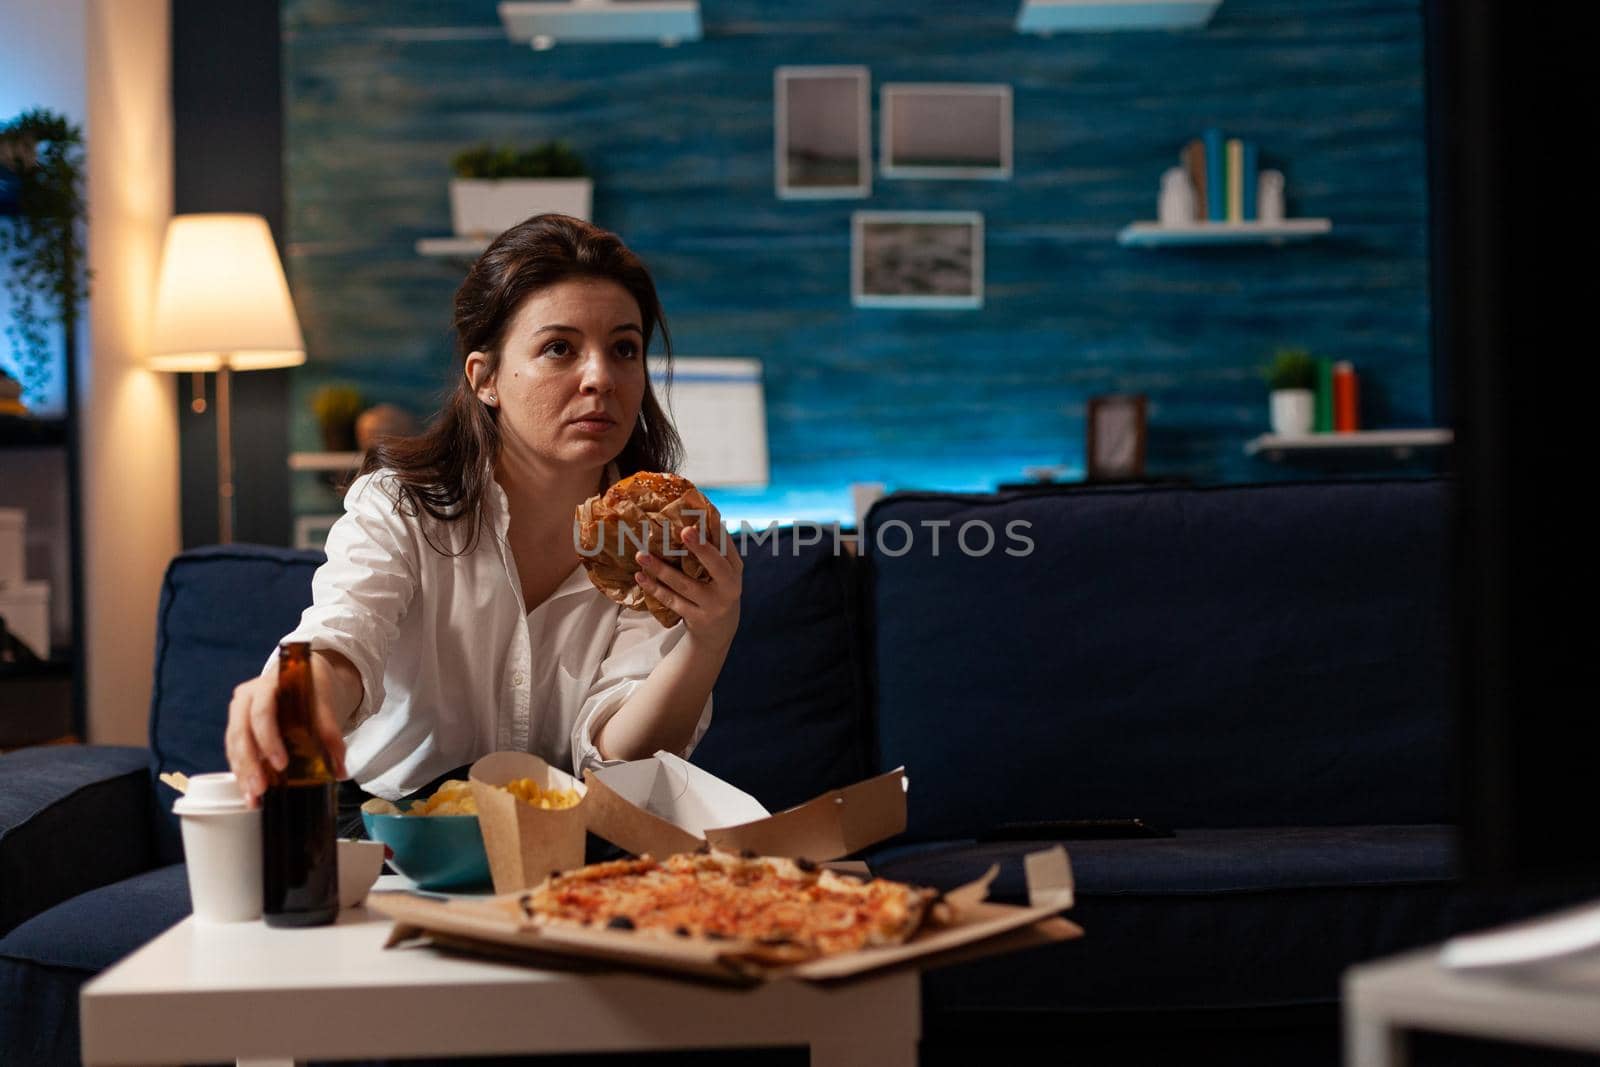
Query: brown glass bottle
point(299, 811)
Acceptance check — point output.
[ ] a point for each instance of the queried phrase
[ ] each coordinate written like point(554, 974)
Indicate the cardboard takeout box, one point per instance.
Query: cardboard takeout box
point(665, 805)
point(497, 927)
point(525, 843)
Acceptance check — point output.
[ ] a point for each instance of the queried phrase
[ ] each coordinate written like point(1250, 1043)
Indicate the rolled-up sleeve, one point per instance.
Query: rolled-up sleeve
point(639, 644)
point(363, 590)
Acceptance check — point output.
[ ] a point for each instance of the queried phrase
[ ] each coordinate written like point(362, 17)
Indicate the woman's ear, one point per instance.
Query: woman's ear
point(481, 381)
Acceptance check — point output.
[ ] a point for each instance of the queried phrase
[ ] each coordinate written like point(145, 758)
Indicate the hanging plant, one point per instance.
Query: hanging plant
point(41, 241)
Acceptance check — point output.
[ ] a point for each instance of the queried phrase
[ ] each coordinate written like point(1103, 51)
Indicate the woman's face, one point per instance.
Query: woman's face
point(571, 375)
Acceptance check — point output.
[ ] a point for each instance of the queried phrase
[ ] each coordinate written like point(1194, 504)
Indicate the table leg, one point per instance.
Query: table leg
point(878, 1051)
point(1373, 1041)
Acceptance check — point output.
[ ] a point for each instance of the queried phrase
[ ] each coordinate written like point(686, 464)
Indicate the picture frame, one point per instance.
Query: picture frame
point(916, 259)
point(952, 130)
point(822, 132)
point(1114, 446)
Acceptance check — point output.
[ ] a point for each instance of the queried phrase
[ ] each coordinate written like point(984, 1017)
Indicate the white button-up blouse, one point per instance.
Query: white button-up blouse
point(453, 665)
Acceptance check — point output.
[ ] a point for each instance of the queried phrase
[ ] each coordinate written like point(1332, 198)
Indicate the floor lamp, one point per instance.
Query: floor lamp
point(222, 304)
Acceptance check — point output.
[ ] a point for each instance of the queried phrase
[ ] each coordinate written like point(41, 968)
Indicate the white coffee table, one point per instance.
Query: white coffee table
point(260, 996)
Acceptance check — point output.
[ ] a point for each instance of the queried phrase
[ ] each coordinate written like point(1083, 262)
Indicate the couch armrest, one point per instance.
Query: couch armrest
point(72, 818)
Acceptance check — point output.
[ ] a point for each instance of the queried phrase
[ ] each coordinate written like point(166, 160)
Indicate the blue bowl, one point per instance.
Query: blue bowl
point(434, 851)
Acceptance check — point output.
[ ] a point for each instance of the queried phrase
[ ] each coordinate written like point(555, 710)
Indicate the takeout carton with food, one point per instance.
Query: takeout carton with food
point(498, 927)
point(525, 843)
point(665, 805)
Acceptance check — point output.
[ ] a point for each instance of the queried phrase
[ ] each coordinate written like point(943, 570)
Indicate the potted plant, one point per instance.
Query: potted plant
point(496, 188)
point(1292, 377)
point(336, 408)
point(41, 241)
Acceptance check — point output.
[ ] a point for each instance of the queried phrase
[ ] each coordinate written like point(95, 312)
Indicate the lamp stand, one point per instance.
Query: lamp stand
point(224, 456)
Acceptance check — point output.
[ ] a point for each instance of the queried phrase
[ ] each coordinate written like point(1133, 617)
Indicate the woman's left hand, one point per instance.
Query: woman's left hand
point(709, 606)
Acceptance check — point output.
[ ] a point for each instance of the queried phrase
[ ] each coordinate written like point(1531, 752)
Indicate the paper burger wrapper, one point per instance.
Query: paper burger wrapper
point(526, 844)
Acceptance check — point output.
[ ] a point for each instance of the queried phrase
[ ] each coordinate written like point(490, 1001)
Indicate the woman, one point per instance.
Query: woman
point(453, 617)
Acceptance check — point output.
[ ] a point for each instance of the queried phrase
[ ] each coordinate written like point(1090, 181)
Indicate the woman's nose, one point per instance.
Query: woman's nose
point(597, 376)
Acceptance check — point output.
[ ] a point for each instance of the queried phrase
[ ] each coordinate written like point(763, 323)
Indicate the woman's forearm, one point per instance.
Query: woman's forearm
point(664, 710)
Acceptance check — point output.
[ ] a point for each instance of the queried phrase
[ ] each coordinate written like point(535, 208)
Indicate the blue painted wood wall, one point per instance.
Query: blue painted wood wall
point(380, 94)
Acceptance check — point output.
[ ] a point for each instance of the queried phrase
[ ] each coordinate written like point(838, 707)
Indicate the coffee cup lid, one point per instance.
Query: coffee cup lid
point(211, 794)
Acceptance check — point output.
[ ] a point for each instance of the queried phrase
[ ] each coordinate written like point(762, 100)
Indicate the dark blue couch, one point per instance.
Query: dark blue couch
point(1262, 670)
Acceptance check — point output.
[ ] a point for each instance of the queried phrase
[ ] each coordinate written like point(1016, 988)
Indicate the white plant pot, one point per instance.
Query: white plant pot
point(1294, 412)
point(487, 207)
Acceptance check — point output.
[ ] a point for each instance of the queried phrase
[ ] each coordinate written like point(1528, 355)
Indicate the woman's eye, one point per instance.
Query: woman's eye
point(627, 350)
point(551, 349)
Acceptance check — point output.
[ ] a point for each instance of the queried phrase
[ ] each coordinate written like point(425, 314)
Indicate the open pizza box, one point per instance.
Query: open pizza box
point(665, 804)
point(496, 927)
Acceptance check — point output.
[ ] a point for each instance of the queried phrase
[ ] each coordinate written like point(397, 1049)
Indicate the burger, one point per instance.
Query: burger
point(643, 512)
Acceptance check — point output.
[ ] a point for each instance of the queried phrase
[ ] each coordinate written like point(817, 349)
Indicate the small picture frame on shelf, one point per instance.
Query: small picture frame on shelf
point(917, 259)
point(1115, 442)
point(822, 144)
point(947, 131)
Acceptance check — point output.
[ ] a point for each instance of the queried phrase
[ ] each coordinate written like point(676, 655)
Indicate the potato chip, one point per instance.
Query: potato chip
point(453, 797)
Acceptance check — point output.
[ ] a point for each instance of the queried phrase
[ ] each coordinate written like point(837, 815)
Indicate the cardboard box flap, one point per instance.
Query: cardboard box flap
point(493, 922)
point(984, 921)
point(974, 892)
point(834, 824)
point(683, 794)
point(628, 825)
point(1049, 875)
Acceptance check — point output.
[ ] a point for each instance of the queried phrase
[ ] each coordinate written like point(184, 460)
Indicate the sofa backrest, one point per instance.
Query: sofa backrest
point(223, 608)
point(789, 714)
point(1231, 656)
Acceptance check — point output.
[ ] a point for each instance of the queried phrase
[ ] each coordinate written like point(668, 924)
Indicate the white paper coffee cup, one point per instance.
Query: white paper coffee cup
point(222, 847)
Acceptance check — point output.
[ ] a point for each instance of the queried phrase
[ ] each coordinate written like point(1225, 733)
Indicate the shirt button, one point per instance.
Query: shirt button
point(518, 678)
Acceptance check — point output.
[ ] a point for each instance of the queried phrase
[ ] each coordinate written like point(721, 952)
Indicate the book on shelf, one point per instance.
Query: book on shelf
point(1194, 162)
point(1216, 189)
point(1251, 171)
point(1323, 420)
point(1235, 189)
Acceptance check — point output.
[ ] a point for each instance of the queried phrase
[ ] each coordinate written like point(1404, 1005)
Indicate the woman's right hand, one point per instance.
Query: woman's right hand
point(254, 746)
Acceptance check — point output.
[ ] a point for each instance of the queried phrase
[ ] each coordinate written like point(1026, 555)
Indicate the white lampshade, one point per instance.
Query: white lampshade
point(222, 299)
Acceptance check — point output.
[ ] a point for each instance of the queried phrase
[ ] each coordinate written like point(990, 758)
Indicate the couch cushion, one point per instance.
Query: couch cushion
point(93, 930)
point(1199, 861)
point(1214, 920)
point(45, 961)
point(223, 608)
point(72, 817)
point(1231, 656)
point(789, 709)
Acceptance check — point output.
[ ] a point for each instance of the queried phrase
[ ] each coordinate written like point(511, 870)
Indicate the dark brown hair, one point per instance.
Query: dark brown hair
point(445, 470)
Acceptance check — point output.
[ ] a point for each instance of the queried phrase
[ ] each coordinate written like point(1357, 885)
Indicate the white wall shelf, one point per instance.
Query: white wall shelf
point(1402, 443)
point(452, 247)
point(1157, 235)
point(325, 461)
point(1046, 17)
point(543, 23)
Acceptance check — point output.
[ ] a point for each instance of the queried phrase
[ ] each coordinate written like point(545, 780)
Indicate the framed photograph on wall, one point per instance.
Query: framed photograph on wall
point(1114, 449)
point(945, 131)
point(823, 132)
point(916, 259)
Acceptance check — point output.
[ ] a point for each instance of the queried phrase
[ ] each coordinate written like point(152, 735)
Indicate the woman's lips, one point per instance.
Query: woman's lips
point(593, 425)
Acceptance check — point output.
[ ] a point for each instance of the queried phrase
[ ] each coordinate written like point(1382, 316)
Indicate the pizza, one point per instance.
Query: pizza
point(777, 911)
